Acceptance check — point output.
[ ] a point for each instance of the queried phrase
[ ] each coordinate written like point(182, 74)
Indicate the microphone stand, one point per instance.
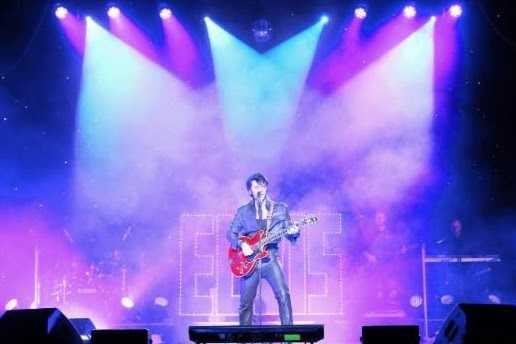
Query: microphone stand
point(260, 300)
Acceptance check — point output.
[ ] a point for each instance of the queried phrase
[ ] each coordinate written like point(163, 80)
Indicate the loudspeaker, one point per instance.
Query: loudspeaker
point(475, 324)
point(129, 336)
point(45, 326)
point(84, 327)
point(390, 334)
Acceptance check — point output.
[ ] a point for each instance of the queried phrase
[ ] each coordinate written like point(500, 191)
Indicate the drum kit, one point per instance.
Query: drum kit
point(101, 283)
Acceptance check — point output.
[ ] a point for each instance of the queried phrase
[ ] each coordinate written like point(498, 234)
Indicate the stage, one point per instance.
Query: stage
point(169, 164)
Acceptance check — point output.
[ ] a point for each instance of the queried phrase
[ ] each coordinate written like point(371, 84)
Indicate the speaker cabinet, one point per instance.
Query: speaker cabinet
point(129, 336)
point(45, 326)
point(479, 323)
point(390, 334)
point(84, 327)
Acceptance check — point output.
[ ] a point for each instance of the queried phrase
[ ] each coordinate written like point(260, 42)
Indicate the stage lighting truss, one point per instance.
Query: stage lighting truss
point(262, 28)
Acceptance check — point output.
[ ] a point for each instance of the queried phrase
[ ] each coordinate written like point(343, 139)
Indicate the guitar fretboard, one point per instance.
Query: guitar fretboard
point(274, 235)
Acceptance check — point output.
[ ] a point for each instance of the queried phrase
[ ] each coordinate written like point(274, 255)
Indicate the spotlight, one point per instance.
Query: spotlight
point(416, 301)
point(455, 10)
point(494, 299)
point(127, 302)
point(325, 19)
point(161, 301)
point(207, 19)
point(447, 299)
point(165, 13)
point(409, 11)
point(11, 304)
point(360, 12)
point(113, 12)
point(61, 12)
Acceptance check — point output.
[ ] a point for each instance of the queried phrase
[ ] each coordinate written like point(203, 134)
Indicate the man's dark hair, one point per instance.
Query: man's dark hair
point(257, 177)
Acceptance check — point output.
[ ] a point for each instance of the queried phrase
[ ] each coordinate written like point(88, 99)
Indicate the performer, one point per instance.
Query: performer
point(455, 242)
point(461, 282)
point(250, 218)
point(384, 251)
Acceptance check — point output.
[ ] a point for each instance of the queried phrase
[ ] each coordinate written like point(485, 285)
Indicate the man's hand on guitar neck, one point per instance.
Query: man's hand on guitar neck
point(246, 249)
point(293, 229)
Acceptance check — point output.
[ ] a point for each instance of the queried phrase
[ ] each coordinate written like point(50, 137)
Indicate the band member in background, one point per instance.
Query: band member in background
point(383, 250)
point(461, 282)
point(250, 218)
point(455, 241)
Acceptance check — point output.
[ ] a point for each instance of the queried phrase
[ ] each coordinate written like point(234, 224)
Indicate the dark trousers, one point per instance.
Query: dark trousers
point(270, 271)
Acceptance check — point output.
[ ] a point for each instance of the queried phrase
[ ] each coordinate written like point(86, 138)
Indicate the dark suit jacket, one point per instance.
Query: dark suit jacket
point(245, 222)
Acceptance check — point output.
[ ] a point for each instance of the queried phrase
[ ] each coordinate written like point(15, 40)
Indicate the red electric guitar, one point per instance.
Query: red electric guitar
point(242, 265)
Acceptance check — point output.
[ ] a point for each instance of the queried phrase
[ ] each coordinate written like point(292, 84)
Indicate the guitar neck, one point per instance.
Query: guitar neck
point(275, 235)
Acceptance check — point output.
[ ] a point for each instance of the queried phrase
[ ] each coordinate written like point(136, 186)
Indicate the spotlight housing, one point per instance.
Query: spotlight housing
point(447, 299)
point(113, 12)
point(161, 301)
point(360, 12)
point(165, 13)
point(496, 299)
point(61, 12)
point(409, 11)
point(127, 302)
point(416, 301)
point(455, 10)
point(11, 304)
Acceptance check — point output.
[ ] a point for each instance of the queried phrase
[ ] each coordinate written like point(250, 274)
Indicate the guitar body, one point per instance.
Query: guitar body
point(240, 264)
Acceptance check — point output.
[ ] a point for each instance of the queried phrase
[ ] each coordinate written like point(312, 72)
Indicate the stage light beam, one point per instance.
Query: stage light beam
point(409, 11)
point(360, 13)
point(61, 12)
point(455, 10)
point(325, 19)
point(278, 75)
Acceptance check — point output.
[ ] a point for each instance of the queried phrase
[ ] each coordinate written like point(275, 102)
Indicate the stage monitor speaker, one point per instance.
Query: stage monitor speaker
point(42, 326)
point(479, 323)
point(398, 334)
point(128, 336)
point(84, 327)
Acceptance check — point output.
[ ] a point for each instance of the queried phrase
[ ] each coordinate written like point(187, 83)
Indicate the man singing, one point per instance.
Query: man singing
point(261, 212)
